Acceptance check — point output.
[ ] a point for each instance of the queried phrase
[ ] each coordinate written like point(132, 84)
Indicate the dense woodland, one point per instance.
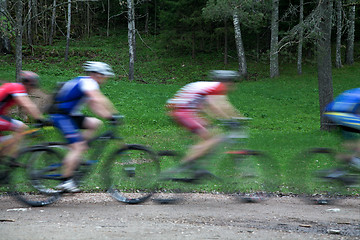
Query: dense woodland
point(249, 30)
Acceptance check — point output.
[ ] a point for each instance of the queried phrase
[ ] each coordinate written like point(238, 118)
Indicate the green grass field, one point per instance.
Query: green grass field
point(285, 110)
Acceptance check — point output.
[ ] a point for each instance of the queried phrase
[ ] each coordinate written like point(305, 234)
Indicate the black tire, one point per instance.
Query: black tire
point(35, 184)
point(314, 168)
point(131, 174)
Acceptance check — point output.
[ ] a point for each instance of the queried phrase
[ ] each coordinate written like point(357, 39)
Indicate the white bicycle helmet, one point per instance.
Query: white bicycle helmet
point(29, 78)
point(224, 75)
point(98, 67)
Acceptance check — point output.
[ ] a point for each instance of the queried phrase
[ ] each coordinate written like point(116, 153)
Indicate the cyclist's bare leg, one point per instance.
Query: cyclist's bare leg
point(91, 125)
point(73, 157)
point(11, 150)
point(200, 149)
point(209, 140)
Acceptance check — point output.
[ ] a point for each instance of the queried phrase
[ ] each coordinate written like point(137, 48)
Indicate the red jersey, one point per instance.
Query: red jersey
point(7, 93)
point(193, 94)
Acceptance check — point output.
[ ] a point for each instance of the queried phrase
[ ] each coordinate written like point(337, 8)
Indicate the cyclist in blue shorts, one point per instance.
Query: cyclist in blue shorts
point(66, 116)
point(345, 111)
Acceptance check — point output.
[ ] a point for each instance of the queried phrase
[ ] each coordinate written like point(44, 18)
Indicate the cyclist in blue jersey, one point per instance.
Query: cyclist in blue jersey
point(345, 111)
point(66, 116)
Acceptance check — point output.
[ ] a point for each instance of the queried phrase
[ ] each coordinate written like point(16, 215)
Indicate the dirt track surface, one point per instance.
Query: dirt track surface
point(198, 216)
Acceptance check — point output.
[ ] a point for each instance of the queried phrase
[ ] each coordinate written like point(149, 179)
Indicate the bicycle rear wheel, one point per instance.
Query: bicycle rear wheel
point(34, 182)
point(131, 174)
point(254, 175)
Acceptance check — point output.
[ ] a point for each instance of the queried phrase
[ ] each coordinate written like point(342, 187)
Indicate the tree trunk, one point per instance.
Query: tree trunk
point(68, 31)
point(350, 36)
point(324, 61)
point(19, 29)
point(274, 56)
point(45, 27)
point(88, 19)
point(225, 42)
point(133, 29)
point(34, 21)
point(338, 34)
point(146, 27)
point(5, 45)
point(239, 47)
point(108, 19)
point(301, 38)
point(131, 23)
point(193, 45)
point(52, 27)
point(29, 25)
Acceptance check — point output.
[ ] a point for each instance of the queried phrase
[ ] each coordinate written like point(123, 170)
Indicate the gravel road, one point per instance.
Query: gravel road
point(198, 216)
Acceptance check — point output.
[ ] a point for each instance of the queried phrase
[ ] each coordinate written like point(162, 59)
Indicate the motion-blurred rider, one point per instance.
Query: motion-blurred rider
point(66, 115)
point(345, 111)
point(16, 94)
point(197, 100)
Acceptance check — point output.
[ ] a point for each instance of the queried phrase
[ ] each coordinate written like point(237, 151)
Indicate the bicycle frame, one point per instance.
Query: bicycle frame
point(93, 159)
point(244, 165)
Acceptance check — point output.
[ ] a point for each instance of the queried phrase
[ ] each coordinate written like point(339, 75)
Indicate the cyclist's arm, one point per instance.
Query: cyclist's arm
point(29, 106)
point(220, 107)
point(100, 104)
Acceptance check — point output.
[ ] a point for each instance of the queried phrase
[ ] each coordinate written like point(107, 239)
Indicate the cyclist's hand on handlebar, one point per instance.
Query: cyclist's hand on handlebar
point(229, 123)
point(242, 119)
point(43, 122)
point(116, 119)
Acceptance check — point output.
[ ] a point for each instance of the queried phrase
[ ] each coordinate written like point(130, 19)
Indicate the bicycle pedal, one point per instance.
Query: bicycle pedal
point(89, 162)
point(168, 153)
point(130, 171)
point(203, 174)
point(15, 164)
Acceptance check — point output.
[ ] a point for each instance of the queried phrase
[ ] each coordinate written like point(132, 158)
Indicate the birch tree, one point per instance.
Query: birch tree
point(68, 31)
point(274, 59)
point(131, 38)
point(52, 26)
point(338, 7)
point(350, 35)
point(324, 60)
point(30, 25)
point(19, 29)
point(301, 37)
point(239, 46)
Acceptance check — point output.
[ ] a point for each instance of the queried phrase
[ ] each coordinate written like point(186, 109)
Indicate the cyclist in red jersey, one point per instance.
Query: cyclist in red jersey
point(196, 99)
point(12, 94)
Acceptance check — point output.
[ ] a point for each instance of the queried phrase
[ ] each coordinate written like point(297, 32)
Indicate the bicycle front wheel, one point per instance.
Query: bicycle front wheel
point(131, 174)
point(34, 181)
point(320, 176)
point(250, 176)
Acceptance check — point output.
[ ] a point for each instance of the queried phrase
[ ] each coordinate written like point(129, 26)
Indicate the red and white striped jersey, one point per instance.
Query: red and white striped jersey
point(192, 95)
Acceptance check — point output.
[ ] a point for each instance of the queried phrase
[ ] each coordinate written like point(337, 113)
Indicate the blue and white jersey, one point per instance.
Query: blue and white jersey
point(72, 94)
point(348, 101)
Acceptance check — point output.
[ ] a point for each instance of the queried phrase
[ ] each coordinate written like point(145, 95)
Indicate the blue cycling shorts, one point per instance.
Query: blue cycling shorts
point(69, 126)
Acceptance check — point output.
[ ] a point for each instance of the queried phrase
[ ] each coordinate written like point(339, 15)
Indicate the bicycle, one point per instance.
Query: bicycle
point(249, 175)
point(331, 181)
point(325, 175)
point(9, 165)
point(128, 173)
